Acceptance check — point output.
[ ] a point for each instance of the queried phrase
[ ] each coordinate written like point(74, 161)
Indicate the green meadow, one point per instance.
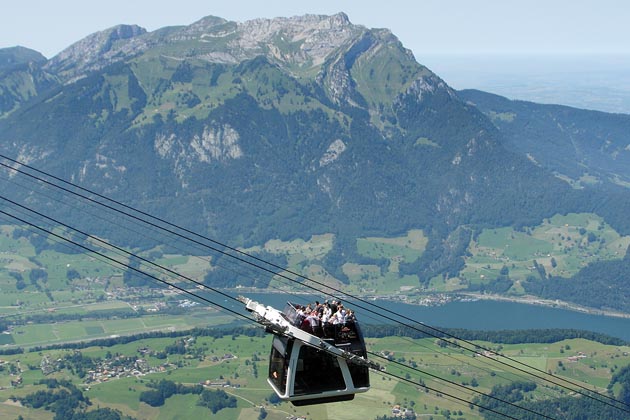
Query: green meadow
point(99, 305)
point(372, 278)
point(242, 374)
point(32, 334)
point(562, 245)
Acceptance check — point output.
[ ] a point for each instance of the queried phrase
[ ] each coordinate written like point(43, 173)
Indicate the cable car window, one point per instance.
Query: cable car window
point(278, 363)
point(290, 313)
point(316, 372)
point(280, 344)
point(360, 375)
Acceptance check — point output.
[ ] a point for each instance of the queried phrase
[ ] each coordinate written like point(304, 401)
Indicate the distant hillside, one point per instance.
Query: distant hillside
point(589, 150)
point(579, 146)
point(21, 77)
point(10, 58)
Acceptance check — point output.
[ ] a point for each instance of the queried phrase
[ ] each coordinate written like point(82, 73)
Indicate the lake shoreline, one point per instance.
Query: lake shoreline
point(473, 312)
point(559, 304)
point(469, 296)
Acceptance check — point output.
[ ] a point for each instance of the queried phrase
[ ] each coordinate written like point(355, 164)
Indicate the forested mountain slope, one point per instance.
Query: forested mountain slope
point(289, 127)
point(583, 147)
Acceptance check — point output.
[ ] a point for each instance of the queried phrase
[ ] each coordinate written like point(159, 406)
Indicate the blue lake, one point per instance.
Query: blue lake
point(477, 315)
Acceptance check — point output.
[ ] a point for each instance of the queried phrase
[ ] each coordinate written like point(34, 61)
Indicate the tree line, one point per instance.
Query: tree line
point(215, 400)
point(552, 335)
point(68, 402)
point(571, 407)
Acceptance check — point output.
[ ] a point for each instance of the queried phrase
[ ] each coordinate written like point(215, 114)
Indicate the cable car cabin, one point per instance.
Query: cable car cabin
point(305, 374)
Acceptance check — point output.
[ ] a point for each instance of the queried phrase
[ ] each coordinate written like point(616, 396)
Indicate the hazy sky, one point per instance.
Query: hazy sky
point(424, 26)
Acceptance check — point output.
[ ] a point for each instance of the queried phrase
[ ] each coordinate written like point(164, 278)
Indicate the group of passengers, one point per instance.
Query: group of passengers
point(316, 317)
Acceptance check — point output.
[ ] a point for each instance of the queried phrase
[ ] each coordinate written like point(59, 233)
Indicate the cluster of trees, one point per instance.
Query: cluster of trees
point(164, 389)
point(504, 336)
point(68, 402)
point(623, 378)
point(41, 243)
point(599, 285)
point(536, 336)
point(571, 407)
point(216, 400)
point(220, 277)
point(134, 277)
point(500, 285)
point(61, 397)
point(178, 347)
point(20, 284)
point(10, 351)
point(78, 363)
point(4, 325)
point(444, 257)
point(35, 276)
point(38, 274)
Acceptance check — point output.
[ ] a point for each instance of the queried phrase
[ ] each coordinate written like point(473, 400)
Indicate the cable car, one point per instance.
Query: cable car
point(313, 366)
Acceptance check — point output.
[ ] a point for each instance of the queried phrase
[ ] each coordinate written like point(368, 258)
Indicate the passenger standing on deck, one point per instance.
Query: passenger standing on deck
point(343, 313)
point(326, 314)
point(333, 306)
point(338, 317)
point(300, 315)
point(313, 321)
point(350, 317)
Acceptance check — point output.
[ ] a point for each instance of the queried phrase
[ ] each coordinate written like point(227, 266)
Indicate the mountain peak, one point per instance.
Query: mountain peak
point(208, 22)
point(299, 40)
point(337, 20)
point(92, 51)
point(299, 44)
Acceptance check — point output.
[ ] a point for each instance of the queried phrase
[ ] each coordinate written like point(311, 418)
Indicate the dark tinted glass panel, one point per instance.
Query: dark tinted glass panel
point(325, 400)
point(360, 375)
point(317, 371)
point(278, 363)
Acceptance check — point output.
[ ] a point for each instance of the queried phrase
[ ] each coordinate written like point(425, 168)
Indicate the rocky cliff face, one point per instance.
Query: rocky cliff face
point(300, 42)
point(290, 41)
point(307, 40)
point(96, 51)
point(215, 143)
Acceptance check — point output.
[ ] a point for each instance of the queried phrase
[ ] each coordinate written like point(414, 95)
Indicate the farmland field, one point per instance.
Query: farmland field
point(238, 365)
point(562, 245)
point(81, 299)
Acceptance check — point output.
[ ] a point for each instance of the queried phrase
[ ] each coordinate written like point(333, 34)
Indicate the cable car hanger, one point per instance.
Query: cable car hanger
point(276, 323)
point(307, 369)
